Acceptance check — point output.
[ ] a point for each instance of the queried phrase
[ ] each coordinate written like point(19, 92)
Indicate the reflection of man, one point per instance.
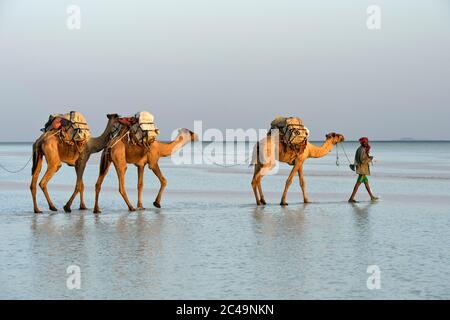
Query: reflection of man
point(362, 160)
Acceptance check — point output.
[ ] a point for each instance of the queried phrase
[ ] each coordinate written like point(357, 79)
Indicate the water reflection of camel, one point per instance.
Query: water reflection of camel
point(264, 161)
point(273, 221)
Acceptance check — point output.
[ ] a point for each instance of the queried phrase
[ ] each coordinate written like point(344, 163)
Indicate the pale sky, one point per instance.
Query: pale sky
point(230, 63)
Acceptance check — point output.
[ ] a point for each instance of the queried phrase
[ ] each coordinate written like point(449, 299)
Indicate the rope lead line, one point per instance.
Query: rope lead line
point(246, 162)
point(213, 162)
point(345, 153)
point(16, 171)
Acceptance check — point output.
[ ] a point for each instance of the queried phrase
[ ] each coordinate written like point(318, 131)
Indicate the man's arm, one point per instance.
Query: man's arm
point(363, 157)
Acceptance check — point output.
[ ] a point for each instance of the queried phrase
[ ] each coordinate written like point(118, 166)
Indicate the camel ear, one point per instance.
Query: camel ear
point(112, 116)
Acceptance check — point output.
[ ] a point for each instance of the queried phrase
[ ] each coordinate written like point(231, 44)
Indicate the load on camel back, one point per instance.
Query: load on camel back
point(293, 133)
point(140, 129)
point(72, 127)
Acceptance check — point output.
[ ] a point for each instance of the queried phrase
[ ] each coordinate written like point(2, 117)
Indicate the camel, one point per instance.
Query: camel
point(56, 152)
point(288, 155)
point(122, 153)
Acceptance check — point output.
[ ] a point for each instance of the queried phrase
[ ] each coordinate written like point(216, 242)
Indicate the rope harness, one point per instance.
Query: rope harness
point(346, 156)
point(26, 164)
point(246, 162)
point(345, 153)
point(16, 171)
point(145, 141)
point(127, 133)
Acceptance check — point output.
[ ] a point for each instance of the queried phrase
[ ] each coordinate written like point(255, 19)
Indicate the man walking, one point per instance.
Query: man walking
point(362, 161)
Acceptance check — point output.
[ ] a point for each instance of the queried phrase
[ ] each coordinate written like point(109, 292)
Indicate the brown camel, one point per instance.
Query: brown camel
point(265, 149)
point(122, 152)
point(55, 151)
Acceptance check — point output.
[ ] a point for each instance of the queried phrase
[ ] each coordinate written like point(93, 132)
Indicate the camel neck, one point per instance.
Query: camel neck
point(320, 151)
point(166, 149)
point(96, 144)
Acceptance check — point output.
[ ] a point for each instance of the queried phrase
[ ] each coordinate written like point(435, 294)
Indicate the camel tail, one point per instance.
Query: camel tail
point(104, 161)
point(255, 155)
point(37, 156)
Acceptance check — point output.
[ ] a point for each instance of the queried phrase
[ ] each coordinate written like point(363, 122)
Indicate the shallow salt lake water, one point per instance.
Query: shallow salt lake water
point(210, 241)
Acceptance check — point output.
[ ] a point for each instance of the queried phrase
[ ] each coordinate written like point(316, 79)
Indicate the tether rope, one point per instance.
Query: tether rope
point(248, 158)
point(29, 160)
point(117, 141)
point(345, 153)
point(16, 171)
point(246, 162)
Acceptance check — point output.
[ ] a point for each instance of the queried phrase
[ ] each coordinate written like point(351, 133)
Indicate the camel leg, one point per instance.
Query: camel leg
point(263, 201)
point(163, 181)
point(140, 186)
point(79, 169)
point(287, 185)
point(33, 184)
point(98, 185)
point(82, 204)
point(303, 185)
point(121, 169)
point(260, 172)
point(255, 183)
point(81, 188)
point(51, 170)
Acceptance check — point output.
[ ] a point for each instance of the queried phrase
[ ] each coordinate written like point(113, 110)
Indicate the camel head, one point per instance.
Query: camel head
point(188, 134)
point(335, 137)
point(111, 116)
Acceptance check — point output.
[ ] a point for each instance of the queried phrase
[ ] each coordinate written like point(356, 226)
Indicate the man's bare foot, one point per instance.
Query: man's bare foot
point(352, 201)
point(374, 198)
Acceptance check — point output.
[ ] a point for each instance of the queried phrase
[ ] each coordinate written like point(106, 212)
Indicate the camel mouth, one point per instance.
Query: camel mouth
point(186, 132)
point(194, 136)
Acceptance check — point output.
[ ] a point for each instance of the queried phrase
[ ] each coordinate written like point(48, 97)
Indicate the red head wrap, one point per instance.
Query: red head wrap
point(363, 141)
